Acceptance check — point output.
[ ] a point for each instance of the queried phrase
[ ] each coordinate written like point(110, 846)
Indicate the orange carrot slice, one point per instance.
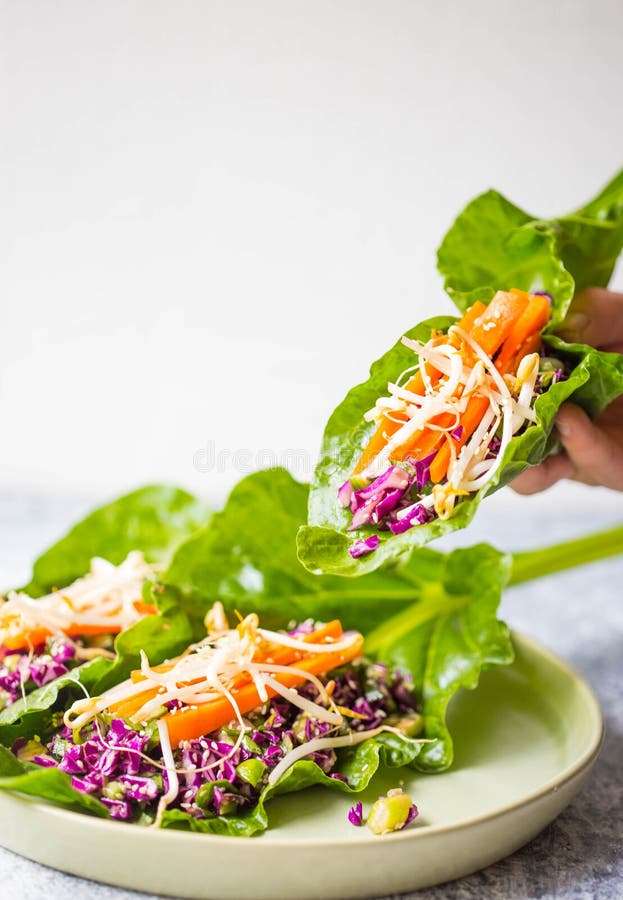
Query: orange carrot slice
point(495, 324)
point(524, 337)
point(425, 441)
point(532, 320)
point(385, 429)
point(475, 311)
point(277, 653)
point(474, 411)
point(28, 639)
point(332, 630)
point(531, 345)
point(190, 723)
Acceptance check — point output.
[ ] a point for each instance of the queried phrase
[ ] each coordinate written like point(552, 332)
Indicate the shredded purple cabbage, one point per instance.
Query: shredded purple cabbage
point(382, 501)
point(360, 548)
point(494, 447)
point(21, 671)
point(413, 814)
point(418, 515)
point(305, 627)
point(385, 492)
point(355, 814)
point(44, 761)
point(345, 494)
point(422, 470)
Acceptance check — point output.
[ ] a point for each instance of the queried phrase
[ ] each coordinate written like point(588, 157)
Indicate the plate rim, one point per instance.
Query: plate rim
point(565, 776)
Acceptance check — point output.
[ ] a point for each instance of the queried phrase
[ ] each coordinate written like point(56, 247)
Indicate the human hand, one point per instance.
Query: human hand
point(592, 450)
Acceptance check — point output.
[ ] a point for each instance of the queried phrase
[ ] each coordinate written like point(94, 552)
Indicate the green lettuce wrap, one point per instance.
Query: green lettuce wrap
point(153, 519)
point(492, 245)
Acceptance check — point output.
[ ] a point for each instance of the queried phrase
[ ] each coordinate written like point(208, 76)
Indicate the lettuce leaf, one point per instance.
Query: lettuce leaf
point(447, 639)
point(152, 519)
point(435, 616)
point(492, 245)
point(45, 784)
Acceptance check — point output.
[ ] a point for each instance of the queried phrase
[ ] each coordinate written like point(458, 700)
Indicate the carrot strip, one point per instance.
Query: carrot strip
point(145, 609)
point(277, 653)
point(474, 411)
point(476, 310)
point(494, 325)
point(29, 639)
point(26, 640)
point(385, 429)
point(530, 345)
point(190, 723)
point(332, 630)
point(531, 321)
point(425, 441)
point(125, 709)
point(524, 337)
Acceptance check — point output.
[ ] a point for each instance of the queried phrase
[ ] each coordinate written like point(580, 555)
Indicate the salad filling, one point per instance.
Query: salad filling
point(208, 733)
point(442, 431)
point(43, 638)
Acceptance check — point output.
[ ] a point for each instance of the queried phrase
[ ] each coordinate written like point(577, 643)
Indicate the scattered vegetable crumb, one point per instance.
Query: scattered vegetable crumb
point(392, 812)
point(355, 814)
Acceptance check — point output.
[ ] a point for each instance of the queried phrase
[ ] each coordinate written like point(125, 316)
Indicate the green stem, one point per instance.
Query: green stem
point(434, 603)
point(546, 561)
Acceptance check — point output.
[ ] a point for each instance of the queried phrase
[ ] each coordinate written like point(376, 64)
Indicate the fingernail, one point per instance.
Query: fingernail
point(576, 324)
point(563, 427)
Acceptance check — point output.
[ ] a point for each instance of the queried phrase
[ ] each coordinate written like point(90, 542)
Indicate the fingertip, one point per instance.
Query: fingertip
point(525, 485)
point(594, 452)
point(595, 317)
point(572, 423)
point(574, 327)
point(540, 478)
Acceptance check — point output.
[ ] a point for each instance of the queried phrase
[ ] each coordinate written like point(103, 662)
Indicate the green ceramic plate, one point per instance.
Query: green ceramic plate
point(525, 743)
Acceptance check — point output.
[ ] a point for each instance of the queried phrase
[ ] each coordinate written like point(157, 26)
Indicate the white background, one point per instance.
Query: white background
point(215, 215)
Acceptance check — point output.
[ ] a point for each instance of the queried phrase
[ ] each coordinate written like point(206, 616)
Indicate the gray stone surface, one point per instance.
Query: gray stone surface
point(578, 614)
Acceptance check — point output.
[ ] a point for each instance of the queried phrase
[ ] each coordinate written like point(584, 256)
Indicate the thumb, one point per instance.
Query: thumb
point(595, 318)
point(596, 456)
